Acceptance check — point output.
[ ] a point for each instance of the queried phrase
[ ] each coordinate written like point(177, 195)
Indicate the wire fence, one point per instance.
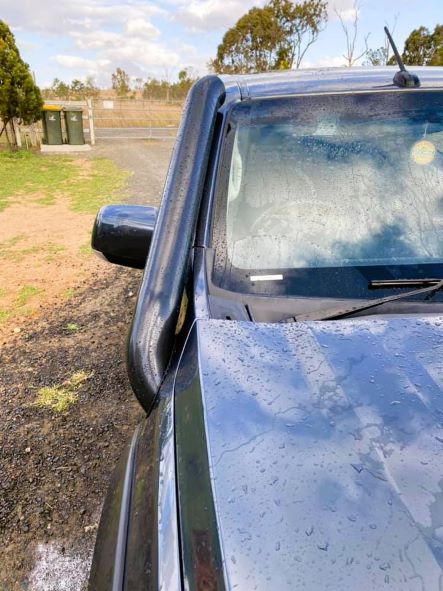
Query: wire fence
point(113, 119)
point(135, 119)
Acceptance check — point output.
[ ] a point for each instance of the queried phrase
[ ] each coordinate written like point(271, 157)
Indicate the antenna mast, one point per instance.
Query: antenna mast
point(403, 78)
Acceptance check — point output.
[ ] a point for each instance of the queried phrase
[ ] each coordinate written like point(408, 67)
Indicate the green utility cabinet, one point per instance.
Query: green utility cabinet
point(74, 126)
point(52, 125)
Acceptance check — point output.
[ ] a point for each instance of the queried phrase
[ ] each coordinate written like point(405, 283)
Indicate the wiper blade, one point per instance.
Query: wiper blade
point(387, 283)
point(335, 313)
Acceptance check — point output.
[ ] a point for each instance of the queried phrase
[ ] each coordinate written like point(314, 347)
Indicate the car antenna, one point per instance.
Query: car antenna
point(403, 78)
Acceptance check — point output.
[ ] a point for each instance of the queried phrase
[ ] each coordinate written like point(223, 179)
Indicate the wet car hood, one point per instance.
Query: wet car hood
point(325, 446)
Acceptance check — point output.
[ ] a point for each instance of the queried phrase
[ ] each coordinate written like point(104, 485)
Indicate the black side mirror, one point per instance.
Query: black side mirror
point(123, 234)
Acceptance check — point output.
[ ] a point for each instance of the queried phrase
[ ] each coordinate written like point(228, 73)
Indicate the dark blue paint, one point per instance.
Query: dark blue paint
point(325, 445)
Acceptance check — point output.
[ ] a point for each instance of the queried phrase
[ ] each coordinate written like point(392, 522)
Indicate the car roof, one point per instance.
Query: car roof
point(325, 80)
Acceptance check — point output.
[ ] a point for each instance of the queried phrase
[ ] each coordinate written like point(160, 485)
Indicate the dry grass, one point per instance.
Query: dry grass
point(60, 397)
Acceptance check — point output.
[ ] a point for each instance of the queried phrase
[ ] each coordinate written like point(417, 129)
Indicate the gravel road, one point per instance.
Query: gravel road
point(135, 132)
point(147, 160)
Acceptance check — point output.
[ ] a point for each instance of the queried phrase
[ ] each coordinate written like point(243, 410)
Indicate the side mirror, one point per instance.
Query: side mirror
point(123, 234)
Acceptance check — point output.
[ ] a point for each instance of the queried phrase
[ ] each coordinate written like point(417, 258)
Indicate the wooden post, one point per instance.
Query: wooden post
point(91, 123)
point(33, 136)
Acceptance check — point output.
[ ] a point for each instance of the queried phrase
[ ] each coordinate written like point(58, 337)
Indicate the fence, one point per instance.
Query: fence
point(116, 119)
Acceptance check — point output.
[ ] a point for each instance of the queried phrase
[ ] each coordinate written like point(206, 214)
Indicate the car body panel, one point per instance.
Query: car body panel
point(325, 80)
point(137, 543)
point(324, 447)
point(200, 548)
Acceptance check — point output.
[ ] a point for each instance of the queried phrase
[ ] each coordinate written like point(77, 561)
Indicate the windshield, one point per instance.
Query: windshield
point(336, 189)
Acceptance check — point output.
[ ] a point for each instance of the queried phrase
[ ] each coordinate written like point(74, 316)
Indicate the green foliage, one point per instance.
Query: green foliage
point(274, 37)
point(19, 96)
point(120, 82)
point(251, 45)
point(375, 57)
point(436, 57)
point(163, 90)
point(75, 90)
point(423, 48)
point(300, 24)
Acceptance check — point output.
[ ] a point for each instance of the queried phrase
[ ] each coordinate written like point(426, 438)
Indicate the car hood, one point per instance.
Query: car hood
point(325, 446)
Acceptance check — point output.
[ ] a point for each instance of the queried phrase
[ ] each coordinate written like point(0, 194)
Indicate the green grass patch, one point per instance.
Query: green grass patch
point(25, 294)
point(69, 293)
point(7, 246)
point(52, 250)
point(4, 315)
point(56, 398)
point(60, 397)
point(100, 188)
point(23, 173)
point(85, 249)
point(26, 174)
point(72, 327)
point(9, 249)
point(78, 378)
point(16, 254)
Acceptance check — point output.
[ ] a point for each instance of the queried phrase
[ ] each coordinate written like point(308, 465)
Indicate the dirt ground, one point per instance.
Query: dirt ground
point(55, 466)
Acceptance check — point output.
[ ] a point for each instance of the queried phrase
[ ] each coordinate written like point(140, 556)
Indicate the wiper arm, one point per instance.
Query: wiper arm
point(431, 286)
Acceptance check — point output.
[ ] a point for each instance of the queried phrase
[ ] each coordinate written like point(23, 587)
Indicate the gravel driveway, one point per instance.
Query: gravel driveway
point(147, 160)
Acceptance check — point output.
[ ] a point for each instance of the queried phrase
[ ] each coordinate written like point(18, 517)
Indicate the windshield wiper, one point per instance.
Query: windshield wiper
point(430, 286)
point(386, 283)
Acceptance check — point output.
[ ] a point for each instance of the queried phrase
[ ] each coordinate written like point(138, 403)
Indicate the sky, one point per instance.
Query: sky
point(69, 39)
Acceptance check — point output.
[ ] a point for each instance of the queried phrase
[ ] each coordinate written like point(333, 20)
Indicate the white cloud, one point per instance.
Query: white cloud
point(95, 39)
point(76, 62)
point(212, 15)
point(345, 8)
point(142, 54)
point(64, 15)
point(141, 26)
point(336, 61)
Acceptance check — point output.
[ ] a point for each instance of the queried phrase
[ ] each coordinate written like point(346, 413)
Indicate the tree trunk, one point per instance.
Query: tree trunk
point(17, 134)
point(10, 136)
point(5, 127)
